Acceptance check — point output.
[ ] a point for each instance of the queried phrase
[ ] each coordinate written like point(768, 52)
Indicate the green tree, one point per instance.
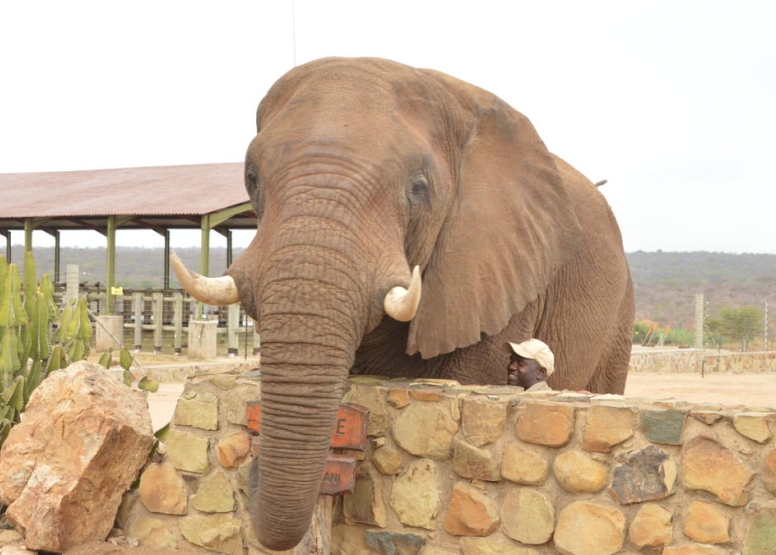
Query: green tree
point(741, 324)
point(715, 332)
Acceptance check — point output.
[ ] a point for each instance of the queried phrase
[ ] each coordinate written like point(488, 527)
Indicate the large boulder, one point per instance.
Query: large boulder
point(64, 469)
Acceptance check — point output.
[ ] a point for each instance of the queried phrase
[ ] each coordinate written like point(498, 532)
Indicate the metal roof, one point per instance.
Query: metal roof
point(152, 197)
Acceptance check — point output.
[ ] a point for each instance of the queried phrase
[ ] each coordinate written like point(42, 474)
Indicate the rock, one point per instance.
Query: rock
point(493, 546)
point(606, 427)
point(366, 503)
point(470, 513)
point(708, 465)
point(426, 393)
point(233, 449)
point(753, 425)
point(760, 521)
point(585, 527)
point(482, 420)
point(694, 549)
point(663, 426)
point(528, 516)
point(187, 452)
point(198, 410)
point(370, 396)
point(214, 494)
point(473, 463)
point(8, 537)
point(577, 472)
point(546, 424)
point(706, 523)
point(398, 397)
point(153, 532)
point(647, 475)
point(388, 460)
point(415, 495)
point(651, 526)
point(347, 539)
point(394, 543)
point(66, 466)
point(425, 430)
point(220, 533)
point(769, 472)
point(163, 490)
point(524, 466)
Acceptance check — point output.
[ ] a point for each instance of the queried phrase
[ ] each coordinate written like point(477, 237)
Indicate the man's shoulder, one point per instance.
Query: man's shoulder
point(539, 386)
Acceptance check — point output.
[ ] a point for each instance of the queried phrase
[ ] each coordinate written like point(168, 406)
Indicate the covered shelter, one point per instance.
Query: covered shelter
point(204, 196)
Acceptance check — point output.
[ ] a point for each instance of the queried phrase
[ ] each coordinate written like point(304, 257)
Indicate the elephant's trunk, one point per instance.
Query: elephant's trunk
point(296, 431)
point(310, 328)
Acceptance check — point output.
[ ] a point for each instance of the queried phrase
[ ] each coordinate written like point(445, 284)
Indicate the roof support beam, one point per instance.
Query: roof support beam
point(7, 234)
point(114, 222)
point(57, 248)
point(31, 224)
point(110, 274)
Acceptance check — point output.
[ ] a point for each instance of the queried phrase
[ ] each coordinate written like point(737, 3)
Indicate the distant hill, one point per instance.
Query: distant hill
point(665, 282)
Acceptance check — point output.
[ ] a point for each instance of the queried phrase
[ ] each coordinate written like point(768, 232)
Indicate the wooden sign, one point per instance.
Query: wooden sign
point(340, 474)
point(349, 429)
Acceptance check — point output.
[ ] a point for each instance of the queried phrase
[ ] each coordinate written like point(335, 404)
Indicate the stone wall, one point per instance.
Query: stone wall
point(484, 470)
point(700, 360)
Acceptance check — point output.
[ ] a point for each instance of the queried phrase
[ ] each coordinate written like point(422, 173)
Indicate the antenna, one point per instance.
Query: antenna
point(293, 28)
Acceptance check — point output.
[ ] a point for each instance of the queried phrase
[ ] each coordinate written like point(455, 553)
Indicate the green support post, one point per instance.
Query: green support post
point(113, 224)
point(29, 225)
point(204, 257)
point(7, 235)
point(110, 264)
point(166, 259)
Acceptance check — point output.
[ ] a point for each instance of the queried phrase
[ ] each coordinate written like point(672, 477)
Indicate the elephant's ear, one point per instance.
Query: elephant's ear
point(510, 229)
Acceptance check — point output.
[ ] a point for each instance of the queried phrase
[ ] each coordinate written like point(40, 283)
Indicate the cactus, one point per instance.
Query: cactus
point(27, 351)
point(30, 348)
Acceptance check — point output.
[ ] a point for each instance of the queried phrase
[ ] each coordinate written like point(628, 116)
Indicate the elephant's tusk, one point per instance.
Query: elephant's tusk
point(402, 304)
point(216, 291)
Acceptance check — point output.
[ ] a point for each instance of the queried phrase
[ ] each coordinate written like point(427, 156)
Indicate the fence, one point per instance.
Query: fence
point(158, 319)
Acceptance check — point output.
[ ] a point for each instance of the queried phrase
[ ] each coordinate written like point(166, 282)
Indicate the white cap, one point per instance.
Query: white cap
point(534, 350)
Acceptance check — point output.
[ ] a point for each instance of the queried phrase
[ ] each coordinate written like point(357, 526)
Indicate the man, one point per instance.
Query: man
point(530, 364)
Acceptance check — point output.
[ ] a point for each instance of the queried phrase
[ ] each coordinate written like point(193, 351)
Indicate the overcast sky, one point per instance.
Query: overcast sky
point(673, 102)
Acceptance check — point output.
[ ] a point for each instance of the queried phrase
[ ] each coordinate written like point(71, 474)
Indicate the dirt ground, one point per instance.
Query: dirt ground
point(751, 390)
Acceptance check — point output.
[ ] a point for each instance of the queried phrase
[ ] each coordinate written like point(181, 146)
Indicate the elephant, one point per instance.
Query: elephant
point(409, 224)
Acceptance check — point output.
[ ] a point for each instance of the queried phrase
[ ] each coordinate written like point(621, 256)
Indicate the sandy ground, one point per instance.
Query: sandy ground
point(751, 390)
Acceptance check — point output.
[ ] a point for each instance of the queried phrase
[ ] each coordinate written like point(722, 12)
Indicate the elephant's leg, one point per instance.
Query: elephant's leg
point(609, 375)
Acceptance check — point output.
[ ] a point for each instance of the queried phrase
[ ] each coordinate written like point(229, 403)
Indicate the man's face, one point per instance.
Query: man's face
point(524, 372)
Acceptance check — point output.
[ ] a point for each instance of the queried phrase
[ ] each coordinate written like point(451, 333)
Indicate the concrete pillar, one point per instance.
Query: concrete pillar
point(109, 332)
point(137, 307)
point(699, 318)
point(232, 327)
point(71, 277)
point(202, 339)
point(158, 310)
point(178, 316)
point(256, 338)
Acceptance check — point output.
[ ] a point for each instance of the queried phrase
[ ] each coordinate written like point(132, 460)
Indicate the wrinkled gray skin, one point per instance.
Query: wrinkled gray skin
point(362, 169)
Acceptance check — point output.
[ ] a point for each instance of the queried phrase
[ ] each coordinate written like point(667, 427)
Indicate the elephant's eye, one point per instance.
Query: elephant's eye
point(252, 186)
point(418, 191)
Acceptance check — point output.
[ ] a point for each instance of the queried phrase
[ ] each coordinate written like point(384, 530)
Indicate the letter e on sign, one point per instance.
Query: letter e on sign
point(350, 427)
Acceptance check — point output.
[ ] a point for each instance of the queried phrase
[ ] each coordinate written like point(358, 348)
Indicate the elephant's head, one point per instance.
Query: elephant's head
point(361, 170)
